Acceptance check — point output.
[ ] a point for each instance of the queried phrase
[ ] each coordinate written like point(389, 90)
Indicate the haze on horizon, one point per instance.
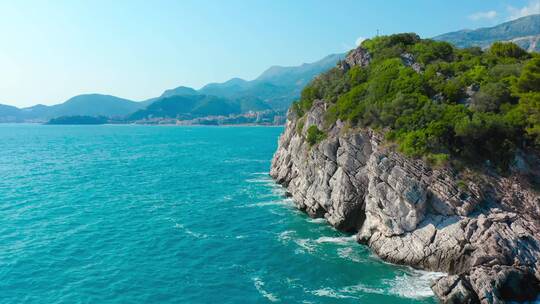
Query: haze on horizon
point(51, 51)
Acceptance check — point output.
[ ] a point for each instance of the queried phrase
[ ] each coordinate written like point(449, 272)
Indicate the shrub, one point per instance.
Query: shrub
point(529, 81)
point(437, 159)
point(414, 143)
point(427, 51)
point(300, 125)
point(507, 49)
point(314, 135)
point(490, 97)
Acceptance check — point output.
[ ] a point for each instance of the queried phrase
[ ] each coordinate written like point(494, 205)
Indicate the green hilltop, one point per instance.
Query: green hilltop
point(436, 101)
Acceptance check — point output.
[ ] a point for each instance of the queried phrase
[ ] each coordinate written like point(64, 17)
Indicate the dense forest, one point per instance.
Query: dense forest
point(436, 101)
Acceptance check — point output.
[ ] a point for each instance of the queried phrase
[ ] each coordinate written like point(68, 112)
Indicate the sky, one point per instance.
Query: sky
point(53, 50)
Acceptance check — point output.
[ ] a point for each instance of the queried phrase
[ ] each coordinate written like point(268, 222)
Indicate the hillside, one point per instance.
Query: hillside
point(81, 105)
point(429, 154)
point(9, 114)
point(277, 86)
point(94, 105)
point(524, 31)
point(187, 107)
point(436, 101)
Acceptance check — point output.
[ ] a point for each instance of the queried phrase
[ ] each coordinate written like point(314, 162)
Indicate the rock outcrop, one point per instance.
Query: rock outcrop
point(484, 232)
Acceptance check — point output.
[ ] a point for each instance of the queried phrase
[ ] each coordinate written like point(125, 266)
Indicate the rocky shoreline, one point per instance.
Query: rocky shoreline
point(485, 234)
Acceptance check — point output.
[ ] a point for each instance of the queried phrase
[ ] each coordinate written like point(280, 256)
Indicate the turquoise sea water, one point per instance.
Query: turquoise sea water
point(139, 214)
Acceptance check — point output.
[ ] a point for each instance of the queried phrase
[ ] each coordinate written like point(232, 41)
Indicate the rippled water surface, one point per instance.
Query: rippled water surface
point(139, 214)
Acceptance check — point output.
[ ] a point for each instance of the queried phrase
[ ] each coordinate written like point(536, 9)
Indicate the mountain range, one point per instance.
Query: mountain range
point(524, 31)
point(274, 89)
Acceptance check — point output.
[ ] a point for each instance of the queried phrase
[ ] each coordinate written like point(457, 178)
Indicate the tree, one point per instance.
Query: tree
point(507, 49)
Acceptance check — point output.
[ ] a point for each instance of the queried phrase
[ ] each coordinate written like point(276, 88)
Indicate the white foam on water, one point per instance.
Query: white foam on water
point(259, 285)
point(281, 202)
point(305, 244)
point(351, 292)
point(331, 293)
point(278, 190)
point(244, 160)
point(260, 180)
point(351, 254)
point(336, 240)
point(310, 245)
point(319, 220)
point(286, 236)
point(416, 284)
point(190, 232)
point(260, 173)
point(362, 288)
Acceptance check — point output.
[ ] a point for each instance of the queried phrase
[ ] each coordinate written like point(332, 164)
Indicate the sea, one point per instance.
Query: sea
point(168, 214)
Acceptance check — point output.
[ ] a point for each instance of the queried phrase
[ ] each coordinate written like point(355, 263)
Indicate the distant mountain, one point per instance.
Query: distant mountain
point(179, 91)
point(277, 86)
point(229, 88)
point(95, 105)
point(298, 75)
point(80, 105)
point(274, 89)
point(187, 107)
point(9, 113)
point(524, 31)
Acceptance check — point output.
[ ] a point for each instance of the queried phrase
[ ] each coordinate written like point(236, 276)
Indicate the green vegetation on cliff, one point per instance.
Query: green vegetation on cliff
point(314, 135)
point(437, 101)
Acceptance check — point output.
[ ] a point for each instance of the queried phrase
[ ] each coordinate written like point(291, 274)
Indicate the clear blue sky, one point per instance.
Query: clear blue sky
point(52, 50)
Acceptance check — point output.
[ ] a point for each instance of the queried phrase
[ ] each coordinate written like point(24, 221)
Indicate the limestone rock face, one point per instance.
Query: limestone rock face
point(485, 235)
point(408, 60)
point(357, 57)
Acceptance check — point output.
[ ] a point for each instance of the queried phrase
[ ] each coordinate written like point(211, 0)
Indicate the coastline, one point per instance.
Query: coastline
point(410, 214)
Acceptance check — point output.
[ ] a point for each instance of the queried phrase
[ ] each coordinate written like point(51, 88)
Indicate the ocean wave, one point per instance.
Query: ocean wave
point(261, 173)
point(413, 283)
point(259, 285)
point(261, 180)
point(191, 232)
point(348, 292)
point(281, 202)
point(351, 254)
point(319, 220)
point(363, 288)
point(311, 245)
point(245, 160)
point(331, 293)
point(412, 286)
point(286, 237)
point(416, 284)
point(336, 240)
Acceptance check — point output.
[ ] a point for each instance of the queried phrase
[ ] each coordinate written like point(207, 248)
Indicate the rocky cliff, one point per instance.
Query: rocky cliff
point(484, 232)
